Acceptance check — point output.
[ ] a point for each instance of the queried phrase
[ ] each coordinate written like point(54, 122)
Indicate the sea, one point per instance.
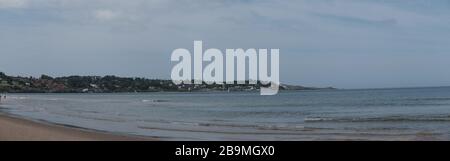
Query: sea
point(364, 114)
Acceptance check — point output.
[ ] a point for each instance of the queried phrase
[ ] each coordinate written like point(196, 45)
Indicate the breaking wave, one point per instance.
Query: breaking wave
point(154, 101)
point(378, 119)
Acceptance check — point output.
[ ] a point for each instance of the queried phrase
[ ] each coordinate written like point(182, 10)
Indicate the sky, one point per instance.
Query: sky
point(339, 43)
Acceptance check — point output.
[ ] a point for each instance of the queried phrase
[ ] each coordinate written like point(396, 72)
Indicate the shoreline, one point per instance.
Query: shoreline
point(13, 128)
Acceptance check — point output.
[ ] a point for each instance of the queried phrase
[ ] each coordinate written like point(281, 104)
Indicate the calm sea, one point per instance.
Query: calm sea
point(379, 114)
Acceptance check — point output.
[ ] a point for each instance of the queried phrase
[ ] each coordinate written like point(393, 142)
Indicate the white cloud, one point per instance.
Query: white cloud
point(105, 15)
point(13, 3)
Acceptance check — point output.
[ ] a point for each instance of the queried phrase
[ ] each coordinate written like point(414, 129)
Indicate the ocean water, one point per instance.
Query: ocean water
point(378, 114)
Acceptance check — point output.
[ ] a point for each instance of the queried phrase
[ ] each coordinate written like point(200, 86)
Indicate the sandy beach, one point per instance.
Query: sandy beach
point(17, 129)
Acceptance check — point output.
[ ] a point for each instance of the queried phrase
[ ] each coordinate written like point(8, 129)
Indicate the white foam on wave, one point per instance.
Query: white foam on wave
point(17, 98)
point(380, 119)
point(154, 101)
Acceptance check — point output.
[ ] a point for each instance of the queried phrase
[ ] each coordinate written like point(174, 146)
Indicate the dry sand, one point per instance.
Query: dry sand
point(17, 129)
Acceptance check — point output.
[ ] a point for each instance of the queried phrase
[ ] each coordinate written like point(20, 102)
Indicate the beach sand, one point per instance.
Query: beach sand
point(17, 129)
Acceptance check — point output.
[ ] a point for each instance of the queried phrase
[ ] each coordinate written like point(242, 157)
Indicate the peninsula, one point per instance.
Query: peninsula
point(114, 84)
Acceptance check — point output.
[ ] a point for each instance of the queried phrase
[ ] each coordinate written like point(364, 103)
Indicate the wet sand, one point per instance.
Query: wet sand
point(17, 129)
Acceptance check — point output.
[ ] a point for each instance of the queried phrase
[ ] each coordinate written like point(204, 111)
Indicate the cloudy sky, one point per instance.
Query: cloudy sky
point(340, 43)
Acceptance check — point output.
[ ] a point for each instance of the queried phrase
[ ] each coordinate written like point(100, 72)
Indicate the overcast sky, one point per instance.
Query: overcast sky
point(340, 43)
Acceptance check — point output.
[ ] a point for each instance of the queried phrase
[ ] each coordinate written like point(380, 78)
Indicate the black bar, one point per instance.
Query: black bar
point(167, 150)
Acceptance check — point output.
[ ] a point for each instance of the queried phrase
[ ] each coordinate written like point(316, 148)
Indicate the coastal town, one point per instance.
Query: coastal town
point(114, 84)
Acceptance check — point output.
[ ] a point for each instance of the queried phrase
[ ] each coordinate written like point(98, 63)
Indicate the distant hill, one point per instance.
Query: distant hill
point(112, 84)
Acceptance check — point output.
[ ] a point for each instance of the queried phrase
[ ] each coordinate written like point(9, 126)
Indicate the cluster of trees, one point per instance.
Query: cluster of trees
point(97, 84)
point(73, 84)
point(111, 84)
